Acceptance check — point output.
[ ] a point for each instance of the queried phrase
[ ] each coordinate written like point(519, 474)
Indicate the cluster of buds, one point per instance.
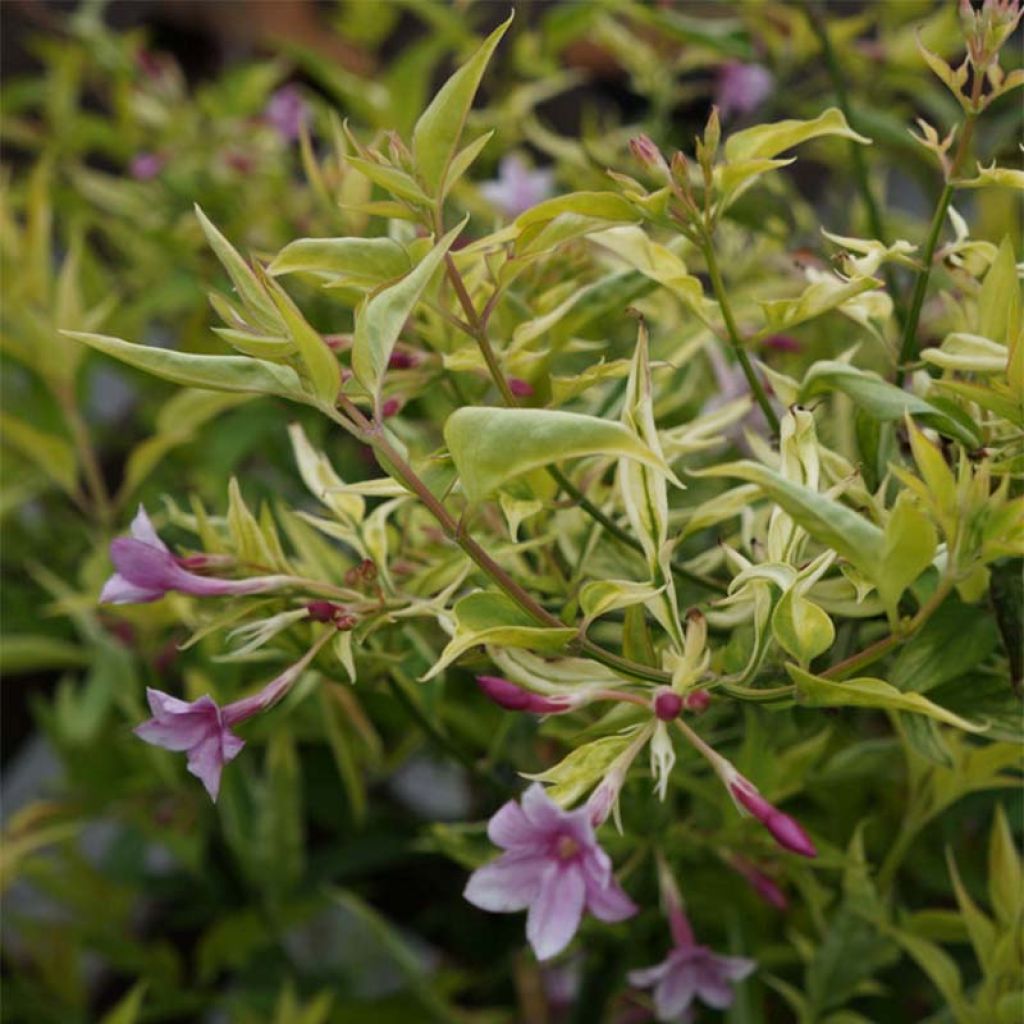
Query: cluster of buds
point(987, 28)
point(327, 611)
point(361, 575)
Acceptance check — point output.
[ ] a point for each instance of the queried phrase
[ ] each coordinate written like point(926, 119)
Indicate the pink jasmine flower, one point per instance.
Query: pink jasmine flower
point(146, 570)
point(553, 866)
point(146, 166)
point(202, 728)
point(517, 188)
point(689, 971)
point(287, 112)
point(740, 88)
point(514, 698)
point(786, 831)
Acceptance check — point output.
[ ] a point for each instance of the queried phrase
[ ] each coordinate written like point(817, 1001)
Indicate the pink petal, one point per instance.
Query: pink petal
point(117, 590)
point(713, 989)
point(674, 994)
point(645, 977)
point(505, 885)
point(509, 827)
point(609, 902)
point(143, 530)
point(555, 913)
point(736, 968)
point(141, 564)
point(183, 733)
point(541, 811)
point(205, 762)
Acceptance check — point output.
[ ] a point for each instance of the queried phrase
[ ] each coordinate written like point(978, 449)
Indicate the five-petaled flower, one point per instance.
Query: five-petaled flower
point(517, 188)
point(552, 865)
point(689, 971)
point(146, 570)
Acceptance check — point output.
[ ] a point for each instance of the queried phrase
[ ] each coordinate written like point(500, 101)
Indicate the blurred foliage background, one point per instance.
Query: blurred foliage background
point(327, 884)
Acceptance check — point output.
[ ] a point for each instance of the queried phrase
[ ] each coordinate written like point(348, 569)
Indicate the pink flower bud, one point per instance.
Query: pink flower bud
point(762, 884)
point(322, 611)
point(400, 360)
point(667, 704)
point(697, 701)
point(784, 829)
point(782, 343)
point(390, 407)
point(146, 166)
point(514, 698)
point(648, 154)
point(519, 387)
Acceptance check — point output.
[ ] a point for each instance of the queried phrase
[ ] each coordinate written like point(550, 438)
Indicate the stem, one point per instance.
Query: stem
point(371, 434)
point(882, 647)
point(479, 334)
point(756, 387)
point(908, 347)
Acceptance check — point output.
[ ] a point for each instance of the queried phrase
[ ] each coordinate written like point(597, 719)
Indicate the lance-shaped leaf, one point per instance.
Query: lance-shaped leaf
point(818, 298)
point(319, 476)
point(764, 141)
point(490, 446)
point(359, 260)
point(259, 307)
point(582, 769)
point(884, 401)
point(381, 318)
point(439, 129)
point(592, 205)
point(867, 692)
point(830, 523)
point(490, 618)
point(598, 597)
point(53, 455)
point(910, 543)
point(218, 373)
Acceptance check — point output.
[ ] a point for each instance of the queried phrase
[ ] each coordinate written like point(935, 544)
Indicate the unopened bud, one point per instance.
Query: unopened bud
point(697, 701)
point(508, 695)
point(786, 831)
point(761, 883)
point(400, 360)
point(648, 154)
point(390, 407)
point(519, 387)
point(667, 704)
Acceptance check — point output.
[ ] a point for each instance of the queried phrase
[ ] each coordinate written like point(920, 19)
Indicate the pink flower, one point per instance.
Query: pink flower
point(691, 972)
point(146, 166)
point(146, 570)
point(286, 112)
point(514, 698)
point(202, 728)
point(786, 831)
point(552, 865)
point(199, 728)
point(517, 188)
point(741, 87)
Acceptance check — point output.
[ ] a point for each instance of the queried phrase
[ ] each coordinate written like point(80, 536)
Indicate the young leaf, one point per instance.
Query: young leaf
point(218, 373)
point(381, 319)
point(490, 446)
point(360, 260)
point(870, 693)
point(765, 141)
point(439, 129)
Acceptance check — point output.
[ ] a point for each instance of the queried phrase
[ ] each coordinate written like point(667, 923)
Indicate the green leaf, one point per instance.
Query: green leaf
point(338, 735)
point(323, 374)
point(581, 769)
point(128, 1009)
point(217, 373)
point(397, 182)
point(801, 628)
point(815, 300)
point(981, 930)
point(259, 346)
point(30, 652)
point(53, 455)
point(464, 160)
point(883, 400)
point(910, 544)
point(939, 967)
point(827, 521)
point(490, 446)
point(1005, 882)
point(765, 141)
point(259, 307)
point(491, 618)
point(598, 597)
point(380, 320)
point(870, 693)
point(596, 205)
point(359, 260)
point(996, 298)
point(439, 129)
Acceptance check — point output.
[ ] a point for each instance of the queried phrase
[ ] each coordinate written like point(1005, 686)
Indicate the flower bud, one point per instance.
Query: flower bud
point(390, 407)
point(322, 611)
point(508, 695)
point(761, 883)
point(697, 701)
point(648, 154)
point(519, 387)
point(667, 704)
point(400, 360)
point(786, 831)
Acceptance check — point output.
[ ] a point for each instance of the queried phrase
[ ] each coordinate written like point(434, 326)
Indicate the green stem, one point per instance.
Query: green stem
point(718, 285)
point(908, 347)
point(479, 335)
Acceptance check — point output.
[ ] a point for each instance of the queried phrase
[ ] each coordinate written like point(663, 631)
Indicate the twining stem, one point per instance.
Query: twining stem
point(479, 334)
point(718, 285)
point(908, 347)
point(373, 435)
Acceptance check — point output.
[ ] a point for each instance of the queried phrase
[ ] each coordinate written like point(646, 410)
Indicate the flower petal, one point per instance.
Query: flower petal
point(141, 564)
point(117, 590)
point(609, 902)
point(143, 530)
point(555, 913)
point(674, 994)
point(509, 827)
point(205, 762)
point(505, 885)
point(736, 968)
point(180, 733)
point(645, 977)
point(541, 811)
